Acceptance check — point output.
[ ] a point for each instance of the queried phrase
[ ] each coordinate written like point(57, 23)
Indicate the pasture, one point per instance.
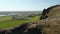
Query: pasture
point(7, 22)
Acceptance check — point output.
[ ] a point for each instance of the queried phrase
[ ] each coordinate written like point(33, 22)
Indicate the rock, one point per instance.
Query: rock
point(51, 12)
point(43, 15)
point(46, 26)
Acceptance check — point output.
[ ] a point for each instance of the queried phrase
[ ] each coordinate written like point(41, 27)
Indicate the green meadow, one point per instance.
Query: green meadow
point(7, 22)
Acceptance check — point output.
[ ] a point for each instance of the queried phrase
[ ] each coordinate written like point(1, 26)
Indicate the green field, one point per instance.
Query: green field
point(4, 18)
point(8, 22)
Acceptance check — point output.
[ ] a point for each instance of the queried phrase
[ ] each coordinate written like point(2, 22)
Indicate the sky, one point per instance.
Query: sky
point(26, 5)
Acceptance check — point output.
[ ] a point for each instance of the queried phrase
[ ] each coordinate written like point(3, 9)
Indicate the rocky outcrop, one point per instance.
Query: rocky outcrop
point(43, 14)
point(50, 24)
point(51, 12)
point(46, 26)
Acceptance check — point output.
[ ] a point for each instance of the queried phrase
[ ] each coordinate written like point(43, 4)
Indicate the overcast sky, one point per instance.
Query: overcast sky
point(26, 5)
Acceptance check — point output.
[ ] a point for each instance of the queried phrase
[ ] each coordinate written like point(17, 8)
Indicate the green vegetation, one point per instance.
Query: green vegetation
point(8, 22)
point(4, 18)
point(36, 18)
point(11, 23)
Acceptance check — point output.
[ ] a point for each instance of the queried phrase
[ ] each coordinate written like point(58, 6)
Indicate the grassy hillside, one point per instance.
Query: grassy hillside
point(50, 23)
point(36, 18)
point(46, 26)
point(55, 12)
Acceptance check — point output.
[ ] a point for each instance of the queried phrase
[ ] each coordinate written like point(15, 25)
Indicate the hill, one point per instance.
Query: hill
point(49, 23)
point(51, 12)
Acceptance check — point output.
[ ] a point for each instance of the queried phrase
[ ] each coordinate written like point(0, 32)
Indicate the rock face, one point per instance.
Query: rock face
point(48, 24)
point(51, 12)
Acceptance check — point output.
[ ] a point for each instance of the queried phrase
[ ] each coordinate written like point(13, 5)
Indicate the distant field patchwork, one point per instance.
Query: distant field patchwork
point(4, 18)
point(8, 22)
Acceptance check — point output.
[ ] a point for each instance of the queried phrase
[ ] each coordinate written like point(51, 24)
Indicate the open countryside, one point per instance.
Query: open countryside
point(16, 19)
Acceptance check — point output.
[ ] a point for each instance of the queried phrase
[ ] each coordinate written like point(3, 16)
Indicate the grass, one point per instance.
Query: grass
point(8, 22)
point(36, 18)
point(4, 18)
point(11, 23)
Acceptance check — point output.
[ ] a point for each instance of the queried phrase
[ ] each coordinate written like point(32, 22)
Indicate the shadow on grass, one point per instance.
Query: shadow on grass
point(20, 30)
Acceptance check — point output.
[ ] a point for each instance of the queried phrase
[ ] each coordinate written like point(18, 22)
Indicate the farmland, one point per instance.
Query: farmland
point(7, 22)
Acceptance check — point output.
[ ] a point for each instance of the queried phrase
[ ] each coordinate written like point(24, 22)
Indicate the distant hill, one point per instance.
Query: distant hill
point(13, 12)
